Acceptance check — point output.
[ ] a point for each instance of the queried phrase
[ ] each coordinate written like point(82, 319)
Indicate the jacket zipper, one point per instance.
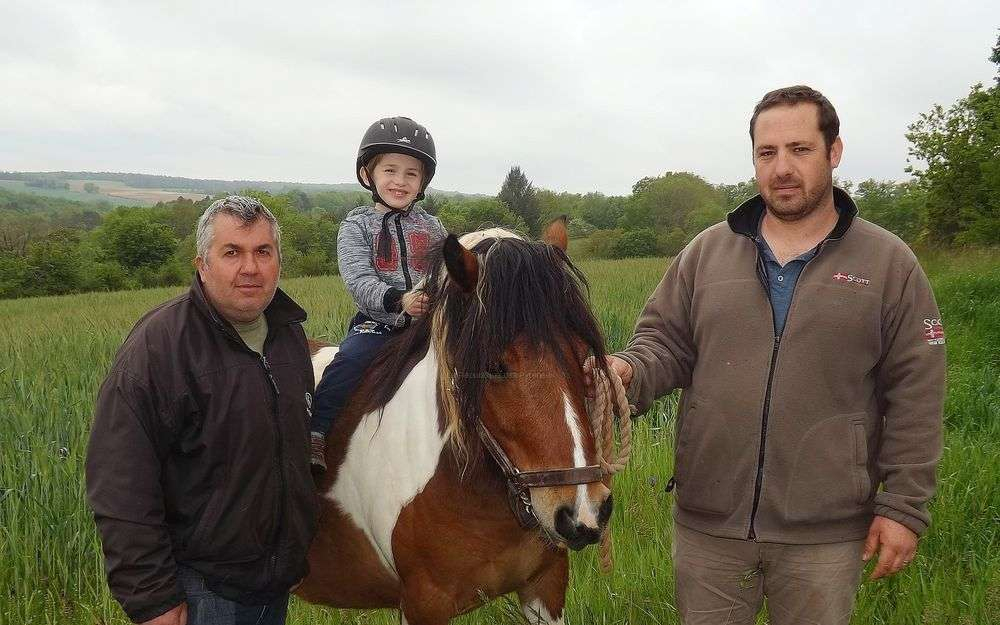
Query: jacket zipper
point(279, 458)
point(759, 480)
point(762, 275)
point(402, 254)
point(763, 436)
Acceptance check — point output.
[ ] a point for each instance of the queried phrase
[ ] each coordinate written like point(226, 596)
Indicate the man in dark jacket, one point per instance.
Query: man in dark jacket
point(811, 356)
point(198, 464)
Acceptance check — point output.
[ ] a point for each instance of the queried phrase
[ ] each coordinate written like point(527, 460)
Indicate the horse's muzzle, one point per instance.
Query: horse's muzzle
point(579, 535)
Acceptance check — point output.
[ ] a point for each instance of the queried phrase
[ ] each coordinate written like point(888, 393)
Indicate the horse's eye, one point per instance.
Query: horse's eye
point(498, 371)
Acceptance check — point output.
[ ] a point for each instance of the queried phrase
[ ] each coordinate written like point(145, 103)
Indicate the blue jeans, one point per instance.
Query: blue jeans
point(207, 608)
point(363, 341)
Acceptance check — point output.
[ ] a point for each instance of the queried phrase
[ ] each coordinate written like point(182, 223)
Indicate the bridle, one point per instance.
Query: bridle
point(518, 482)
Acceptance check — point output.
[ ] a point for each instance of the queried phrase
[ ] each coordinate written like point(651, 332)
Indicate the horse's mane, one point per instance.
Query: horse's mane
point(528, 292)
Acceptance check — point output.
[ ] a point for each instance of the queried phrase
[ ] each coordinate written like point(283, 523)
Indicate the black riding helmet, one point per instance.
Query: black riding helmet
point(401, 135)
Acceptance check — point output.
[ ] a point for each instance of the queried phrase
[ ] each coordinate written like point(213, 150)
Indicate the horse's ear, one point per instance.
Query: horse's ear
point(555, 234)
point(462, 265)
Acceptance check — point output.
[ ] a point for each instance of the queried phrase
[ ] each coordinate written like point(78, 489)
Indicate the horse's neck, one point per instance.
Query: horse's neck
point(390, 457)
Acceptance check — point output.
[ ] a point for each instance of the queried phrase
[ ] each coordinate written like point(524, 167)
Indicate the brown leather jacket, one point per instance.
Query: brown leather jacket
point(802, 438)
point(199, 456)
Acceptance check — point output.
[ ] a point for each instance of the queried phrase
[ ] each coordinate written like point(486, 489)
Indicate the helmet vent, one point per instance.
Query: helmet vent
point(395, 128)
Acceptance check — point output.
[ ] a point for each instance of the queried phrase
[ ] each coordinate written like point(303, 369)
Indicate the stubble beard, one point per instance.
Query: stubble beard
point(800, 207)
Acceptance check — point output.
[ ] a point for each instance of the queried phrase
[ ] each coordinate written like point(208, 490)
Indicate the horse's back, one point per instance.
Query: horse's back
point(321, 357)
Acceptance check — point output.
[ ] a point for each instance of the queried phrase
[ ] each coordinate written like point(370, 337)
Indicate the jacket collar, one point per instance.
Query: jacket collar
point(281, 311)
point(744, 219)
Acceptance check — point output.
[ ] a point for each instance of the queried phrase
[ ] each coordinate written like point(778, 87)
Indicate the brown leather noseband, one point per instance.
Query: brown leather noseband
point(518, 482)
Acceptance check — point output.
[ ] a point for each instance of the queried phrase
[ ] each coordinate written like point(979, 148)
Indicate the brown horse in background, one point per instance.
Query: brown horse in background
point(464, 464)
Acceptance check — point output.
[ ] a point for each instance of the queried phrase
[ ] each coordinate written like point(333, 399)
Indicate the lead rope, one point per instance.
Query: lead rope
point(609, 404)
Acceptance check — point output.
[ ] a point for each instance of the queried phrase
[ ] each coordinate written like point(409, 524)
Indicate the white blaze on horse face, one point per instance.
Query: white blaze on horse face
point(537, 614)
point(586, 514)
point(389, 462)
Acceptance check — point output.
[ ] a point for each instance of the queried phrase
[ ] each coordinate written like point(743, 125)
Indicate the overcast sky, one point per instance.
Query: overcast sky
point(583, 95)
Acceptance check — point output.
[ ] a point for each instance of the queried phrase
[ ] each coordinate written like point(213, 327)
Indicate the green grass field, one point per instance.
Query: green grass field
point(55, 352)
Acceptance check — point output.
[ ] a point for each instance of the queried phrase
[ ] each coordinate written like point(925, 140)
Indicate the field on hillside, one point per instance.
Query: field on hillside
point(63, 194)
point(56, 351)
point(122, 191)
point(110, 191)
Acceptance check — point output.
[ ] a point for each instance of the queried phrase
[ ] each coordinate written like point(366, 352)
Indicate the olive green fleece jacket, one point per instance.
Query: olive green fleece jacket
point(801, 438)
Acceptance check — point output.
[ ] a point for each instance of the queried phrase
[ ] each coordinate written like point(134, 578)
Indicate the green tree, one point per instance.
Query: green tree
point(671, 243)
point(603, 243)
point(90, 187)
point(299, 200)
point(602, 211)
point(13, 274)
point(738, 193)
point(896, 206)
point(518, 194)
point(135, 239)
point(471, 214)
point(667, 201)
point(53, 265)
point(641, 242)
point(960, 149)
point(431, 203)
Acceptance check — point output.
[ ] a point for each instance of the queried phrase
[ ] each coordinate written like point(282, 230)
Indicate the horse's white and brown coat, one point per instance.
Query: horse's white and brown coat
point(390, 458)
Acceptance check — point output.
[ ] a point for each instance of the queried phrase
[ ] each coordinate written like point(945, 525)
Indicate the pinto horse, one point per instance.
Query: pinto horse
point(464, 464)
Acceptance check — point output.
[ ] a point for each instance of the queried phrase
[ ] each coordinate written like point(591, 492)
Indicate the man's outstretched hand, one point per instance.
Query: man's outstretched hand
point(616, 364)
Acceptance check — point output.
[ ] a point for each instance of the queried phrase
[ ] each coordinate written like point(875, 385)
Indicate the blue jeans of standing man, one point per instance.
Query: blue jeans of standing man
point(207, 608)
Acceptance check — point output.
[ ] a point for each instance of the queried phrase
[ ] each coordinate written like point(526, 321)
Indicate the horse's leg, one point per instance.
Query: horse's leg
point(424, 604)
point(542, 600)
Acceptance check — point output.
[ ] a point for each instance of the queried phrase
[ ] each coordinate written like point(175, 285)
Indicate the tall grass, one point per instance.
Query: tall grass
point(55, 352)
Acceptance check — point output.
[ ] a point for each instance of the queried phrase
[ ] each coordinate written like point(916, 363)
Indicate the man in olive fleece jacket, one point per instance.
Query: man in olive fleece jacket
point(811, 356)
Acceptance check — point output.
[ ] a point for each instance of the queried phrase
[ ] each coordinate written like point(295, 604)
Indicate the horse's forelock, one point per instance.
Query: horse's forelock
point(528, 292)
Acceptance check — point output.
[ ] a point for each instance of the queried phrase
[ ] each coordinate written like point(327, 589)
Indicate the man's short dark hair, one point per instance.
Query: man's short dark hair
point(829, 123)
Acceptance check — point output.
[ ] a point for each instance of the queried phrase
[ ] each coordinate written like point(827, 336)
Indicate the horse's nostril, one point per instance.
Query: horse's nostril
point(587, 535)
point(564, 523)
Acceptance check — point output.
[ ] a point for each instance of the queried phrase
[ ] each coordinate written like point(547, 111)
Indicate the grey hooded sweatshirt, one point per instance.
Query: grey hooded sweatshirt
point(375, 282)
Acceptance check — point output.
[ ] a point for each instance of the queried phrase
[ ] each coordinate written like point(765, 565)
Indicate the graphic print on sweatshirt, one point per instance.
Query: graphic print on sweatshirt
point(417, 246)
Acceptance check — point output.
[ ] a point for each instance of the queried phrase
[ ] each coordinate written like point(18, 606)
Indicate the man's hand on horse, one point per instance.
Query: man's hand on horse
point(895, 543)
point(616, 364)
point(415, 303)
point(178, 615)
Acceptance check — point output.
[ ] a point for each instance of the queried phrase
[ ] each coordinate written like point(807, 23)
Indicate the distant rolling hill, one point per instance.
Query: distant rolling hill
point(130, 188)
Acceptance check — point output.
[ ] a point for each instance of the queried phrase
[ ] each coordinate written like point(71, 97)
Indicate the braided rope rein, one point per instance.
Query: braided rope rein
point(609, 405)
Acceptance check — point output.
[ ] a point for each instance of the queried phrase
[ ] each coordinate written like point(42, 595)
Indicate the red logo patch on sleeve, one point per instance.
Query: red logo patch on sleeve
point(933, 331)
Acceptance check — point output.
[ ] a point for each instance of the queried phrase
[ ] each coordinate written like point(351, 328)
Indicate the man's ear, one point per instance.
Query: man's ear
point(836, 152)
point(200, 264)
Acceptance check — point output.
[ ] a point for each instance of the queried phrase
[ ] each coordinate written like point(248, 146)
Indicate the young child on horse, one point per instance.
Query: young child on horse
point(382, 253)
